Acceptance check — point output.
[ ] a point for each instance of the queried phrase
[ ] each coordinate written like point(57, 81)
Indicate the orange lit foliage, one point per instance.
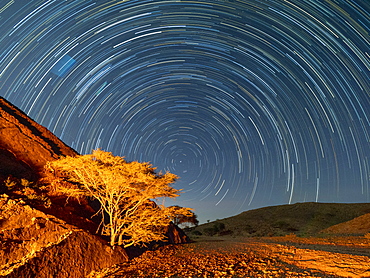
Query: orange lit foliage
point(188, 218)
point(125, 191)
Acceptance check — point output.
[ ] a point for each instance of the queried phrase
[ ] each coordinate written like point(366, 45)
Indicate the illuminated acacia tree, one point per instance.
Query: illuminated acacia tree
point(126, 192)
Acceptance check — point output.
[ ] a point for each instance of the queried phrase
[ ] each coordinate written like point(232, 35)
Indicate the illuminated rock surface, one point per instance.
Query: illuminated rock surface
point(25, 146)
point(35, 244)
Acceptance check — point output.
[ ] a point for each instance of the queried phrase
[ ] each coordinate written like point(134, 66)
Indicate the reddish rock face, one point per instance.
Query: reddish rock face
point(175, 235)
point(25, 146)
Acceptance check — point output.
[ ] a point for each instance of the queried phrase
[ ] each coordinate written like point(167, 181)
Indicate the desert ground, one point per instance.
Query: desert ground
point(288, 256)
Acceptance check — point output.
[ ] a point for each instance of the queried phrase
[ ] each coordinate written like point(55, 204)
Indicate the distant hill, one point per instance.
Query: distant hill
point(300, 219)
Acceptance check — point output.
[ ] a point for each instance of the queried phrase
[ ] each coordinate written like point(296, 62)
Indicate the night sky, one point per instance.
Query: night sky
point(251, 102)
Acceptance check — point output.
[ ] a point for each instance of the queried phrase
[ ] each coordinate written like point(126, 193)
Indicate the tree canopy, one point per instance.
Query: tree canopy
point(128, 193)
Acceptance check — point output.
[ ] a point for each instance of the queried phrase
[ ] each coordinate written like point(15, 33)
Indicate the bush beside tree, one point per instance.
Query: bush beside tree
point(217, 228)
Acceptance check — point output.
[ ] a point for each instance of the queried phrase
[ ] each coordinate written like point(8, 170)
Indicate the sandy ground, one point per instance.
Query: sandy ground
point(340, 256)
point(253, 257)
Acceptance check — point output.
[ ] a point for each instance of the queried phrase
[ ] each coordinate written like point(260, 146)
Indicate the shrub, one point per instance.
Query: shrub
point(196, 233)
point(210, 231)
point(215, 229)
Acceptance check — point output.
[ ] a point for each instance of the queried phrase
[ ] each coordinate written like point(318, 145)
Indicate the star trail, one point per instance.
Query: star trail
point(252, 103)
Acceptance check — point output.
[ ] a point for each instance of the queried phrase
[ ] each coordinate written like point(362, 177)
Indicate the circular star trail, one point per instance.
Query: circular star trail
point(252, 103)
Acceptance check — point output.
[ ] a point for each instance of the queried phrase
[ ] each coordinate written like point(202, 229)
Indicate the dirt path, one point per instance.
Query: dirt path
point(241, 257)
point(340, 263)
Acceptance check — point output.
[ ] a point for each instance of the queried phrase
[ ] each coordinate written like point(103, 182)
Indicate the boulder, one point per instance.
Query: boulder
point(35, 244)
point(176, 235)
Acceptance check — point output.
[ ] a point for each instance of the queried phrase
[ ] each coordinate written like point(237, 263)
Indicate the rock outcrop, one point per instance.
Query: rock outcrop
point(35, 244)
point(25, 146)
point(175, 235)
